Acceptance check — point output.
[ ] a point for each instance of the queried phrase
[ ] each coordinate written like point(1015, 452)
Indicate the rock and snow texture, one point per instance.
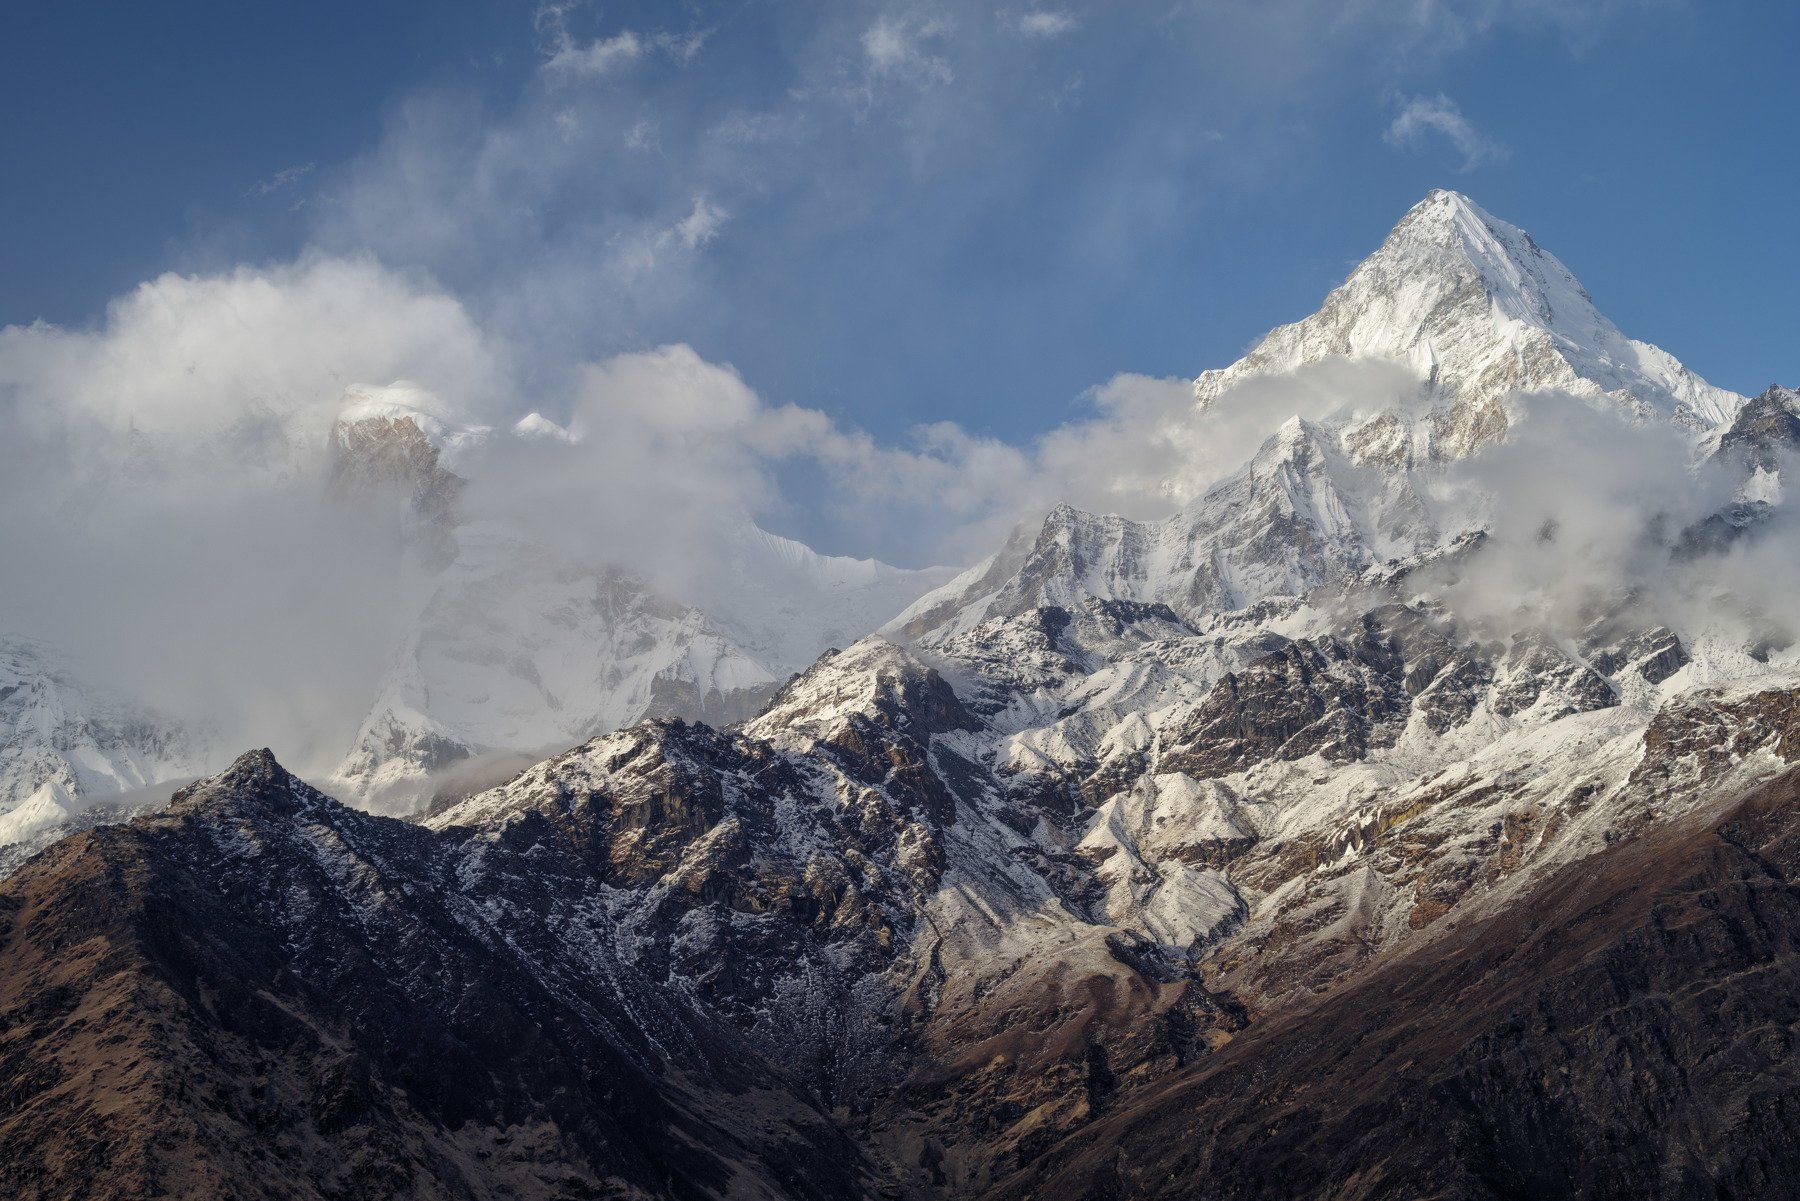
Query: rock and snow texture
point(1478, 310)
point(63, 741)
point(1298, 515)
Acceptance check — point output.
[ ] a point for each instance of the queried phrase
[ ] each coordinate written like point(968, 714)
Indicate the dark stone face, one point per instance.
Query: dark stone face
point(1548, 1052)
point(1764, 435)
point(284, 997)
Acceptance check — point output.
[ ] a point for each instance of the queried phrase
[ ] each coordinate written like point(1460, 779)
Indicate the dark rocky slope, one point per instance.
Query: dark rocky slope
point(1628, 1030)
point(263, 994)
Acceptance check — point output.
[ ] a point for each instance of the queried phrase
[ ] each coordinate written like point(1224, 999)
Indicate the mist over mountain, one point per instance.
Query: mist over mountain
point(1364, 768)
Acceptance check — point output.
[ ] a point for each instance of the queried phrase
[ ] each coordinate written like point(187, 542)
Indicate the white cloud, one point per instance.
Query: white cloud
point(897, 47)
point(702, 224)
point(285, 178)
point(1422, 117)
point(183, 357)
point(163, 475)
point(1045, 23)
point(598, 57)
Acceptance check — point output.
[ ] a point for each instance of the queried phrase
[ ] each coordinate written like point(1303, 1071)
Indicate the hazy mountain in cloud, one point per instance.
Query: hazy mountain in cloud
point(518, 644)
point(63, 739)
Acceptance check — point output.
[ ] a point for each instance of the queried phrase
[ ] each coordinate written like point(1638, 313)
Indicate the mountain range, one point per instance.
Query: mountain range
point(1338, 834)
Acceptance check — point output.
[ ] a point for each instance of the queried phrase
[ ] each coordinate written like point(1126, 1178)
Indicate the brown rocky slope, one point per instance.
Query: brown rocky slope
point(1628, 1030)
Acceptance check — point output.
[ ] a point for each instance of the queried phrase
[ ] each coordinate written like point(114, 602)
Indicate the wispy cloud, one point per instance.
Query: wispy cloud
point(283, 179)
point(1422, 118)
point(601, 56)
point(565, 55)
point(1044, 23)
point(702, 224)
point(898, 47)
point(571, 57)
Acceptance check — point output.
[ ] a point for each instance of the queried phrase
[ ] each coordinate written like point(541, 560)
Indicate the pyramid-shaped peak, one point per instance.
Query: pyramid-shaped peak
point(1448, 234)
point(1447, 211)
point(1477, 310)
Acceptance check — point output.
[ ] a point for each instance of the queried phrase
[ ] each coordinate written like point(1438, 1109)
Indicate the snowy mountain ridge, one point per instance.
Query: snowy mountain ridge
point(1478, 310)
point(509, 645)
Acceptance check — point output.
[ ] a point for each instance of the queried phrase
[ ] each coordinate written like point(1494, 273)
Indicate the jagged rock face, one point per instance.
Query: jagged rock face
point(1331, 697)
point(285, 998)
point(1547, 1051)
point(1765, 433)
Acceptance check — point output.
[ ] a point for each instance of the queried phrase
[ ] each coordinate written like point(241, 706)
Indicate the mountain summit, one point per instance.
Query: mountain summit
point(1478, 311)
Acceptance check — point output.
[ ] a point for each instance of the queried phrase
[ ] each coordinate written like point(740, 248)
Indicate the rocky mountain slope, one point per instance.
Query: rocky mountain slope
point(281, 997)
point(63, 739)
point(1230, 855)
point(1554, 1049)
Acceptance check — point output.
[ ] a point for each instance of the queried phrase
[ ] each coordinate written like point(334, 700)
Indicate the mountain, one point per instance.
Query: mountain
point(287, 998)
point(64, 741)
point(1478, 311)
point(1229, 855)
point(1547, 1051)
point(513, 645)
point(1474, 314)
point(1298, 515)
point(886, 929)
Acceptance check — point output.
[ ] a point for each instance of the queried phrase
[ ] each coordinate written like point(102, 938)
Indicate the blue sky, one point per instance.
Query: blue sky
point(899, 212)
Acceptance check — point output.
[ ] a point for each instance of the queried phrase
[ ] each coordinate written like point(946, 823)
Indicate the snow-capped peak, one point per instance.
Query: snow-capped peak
point(537, 427)
point(444, 426)
point(1477, 311)
point(1447, 233)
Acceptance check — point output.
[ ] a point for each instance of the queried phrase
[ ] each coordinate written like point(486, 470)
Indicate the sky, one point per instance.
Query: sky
point(887, 276)
point(888, 214)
